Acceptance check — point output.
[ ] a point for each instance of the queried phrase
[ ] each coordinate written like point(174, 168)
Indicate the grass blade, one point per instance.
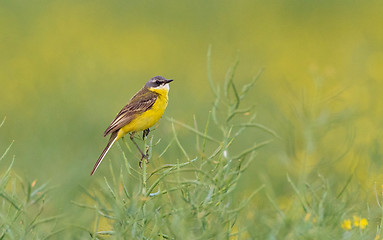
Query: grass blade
point(253, 148)
point(204, 135)
point(6, 151)
point(178, 142)
point(209, 74)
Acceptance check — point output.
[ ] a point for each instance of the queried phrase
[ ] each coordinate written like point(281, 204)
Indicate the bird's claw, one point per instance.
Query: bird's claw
point(145, 133)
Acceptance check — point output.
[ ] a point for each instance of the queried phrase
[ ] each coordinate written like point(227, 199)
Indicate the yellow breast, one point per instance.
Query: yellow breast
point(150, 117)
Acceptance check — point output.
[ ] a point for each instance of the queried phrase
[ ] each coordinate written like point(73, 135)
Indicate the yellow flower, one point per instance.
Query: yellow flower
point(360, 222)
point(363, 223)
point(377, 237)
point(346, 225)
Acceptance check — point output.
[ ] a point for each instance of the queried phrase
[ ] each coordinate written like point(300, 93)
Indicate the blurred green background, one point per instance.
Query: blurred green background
point(67, 67)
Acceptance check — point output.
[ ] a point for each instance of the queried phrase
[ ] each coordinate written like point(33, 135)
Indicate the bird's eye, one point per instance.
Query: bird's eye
point(158, 82)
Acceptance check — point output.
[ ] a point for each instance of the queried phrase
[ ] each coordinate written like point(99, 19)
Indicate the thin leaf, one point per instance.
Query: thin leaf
point(345, 186)
point(204, 135)
point(296, 190)
point(247, 200)
point(248, 86)
point(209, 74)
point(6, 151)
point(178, 142)
point(2, 122)
point(10, 200)
point(260, 126)
point(110, 189)
point(253, 148)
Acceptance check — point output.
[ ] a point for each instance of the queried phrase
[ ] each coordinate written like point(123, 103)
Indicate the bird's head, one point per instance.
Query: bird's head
point(158, 82)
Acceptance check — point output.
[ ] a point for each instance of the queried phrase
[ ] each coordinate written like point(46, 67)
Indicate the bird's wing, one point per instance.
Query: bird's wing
point(140, 102)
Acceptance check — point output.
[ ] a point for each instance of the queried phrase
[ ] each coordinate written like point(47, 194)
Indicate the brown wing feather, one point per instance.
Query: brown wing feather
point(139, 103)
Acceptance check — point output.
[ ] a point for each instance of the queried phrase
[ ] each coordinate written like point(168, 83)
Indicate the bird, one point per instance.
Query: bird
point(143, 110)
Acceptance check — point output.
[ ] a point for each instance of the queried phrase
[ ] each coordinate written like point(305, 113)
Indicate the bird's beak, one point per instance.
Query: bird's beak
point(169, 80)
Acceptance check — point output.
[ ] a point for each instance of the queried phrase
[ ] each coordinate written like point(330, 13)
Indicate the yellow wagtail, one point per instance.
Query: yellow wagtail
point(143, 110)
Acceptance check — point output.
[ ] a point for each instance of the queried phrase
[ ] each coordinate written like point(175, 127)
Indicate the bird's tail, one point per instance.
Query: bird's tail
point(112, 139)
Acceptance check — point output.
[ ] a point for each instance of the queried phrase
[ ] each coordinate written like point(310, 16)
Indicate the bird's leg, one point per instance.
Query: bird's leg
point(145, 133)
point(146, 156)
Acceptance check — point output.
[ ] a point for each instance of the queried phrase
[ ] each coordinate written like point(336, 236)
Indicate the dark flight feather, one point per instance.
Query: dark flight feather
point(112, 139)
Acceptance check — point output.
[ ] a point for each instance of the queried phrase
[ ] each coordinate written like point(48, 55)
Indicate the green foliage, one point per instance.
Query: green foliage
point(22, 205)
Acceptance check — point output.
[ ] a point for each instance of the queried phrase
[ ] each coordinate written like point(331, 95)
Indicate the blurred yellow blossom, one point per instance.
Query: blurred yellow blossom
point(307, 217)
point(360, 222)
point(346, 225)
point(363, 223)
